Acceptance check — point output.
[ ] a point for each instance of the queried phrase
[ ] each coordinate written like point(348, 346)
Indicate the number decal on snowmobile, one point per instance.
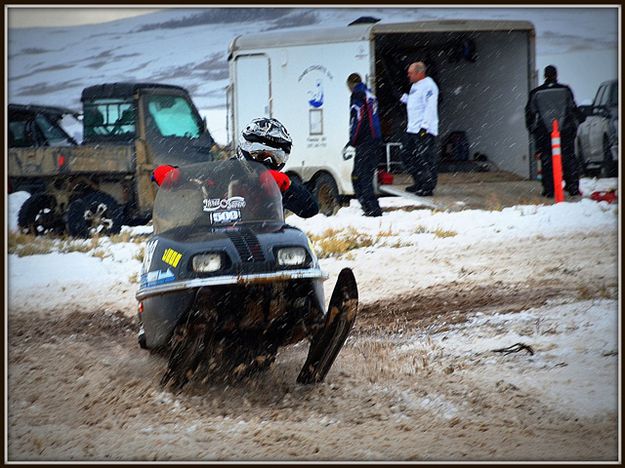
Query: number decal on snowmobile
point(214, 204)
point(150, 247)
point(171, 257)
point(225, 216)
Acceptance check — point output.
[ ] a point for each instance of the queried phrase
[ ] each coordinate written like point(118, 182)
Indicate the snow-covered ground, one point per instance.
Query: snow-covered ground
point(418, 378)
point(392, 265)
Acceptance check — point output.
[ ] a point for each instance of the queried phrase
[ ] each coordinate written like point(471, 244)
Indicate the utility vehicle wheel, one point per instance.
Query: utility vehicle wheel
point(609, 168)
point(37, 215)
point(97, 213)
point(327, 194)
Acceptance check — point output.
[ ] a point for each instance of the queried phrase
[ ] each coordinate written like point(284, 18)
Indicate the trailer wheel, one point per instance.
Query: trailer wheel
point(37, 215)
point(327, 194)
point(95, 214)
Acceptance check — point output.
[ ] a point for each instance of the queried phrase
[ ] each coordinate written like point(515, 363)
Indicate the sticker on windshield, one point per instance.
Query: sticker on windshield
point(233, 203)
point(220, 217)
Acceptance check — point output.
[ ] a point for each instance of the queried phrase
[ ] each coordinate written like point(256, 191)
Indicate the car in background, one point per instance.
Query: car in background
point(596, 143)
point(32, 126)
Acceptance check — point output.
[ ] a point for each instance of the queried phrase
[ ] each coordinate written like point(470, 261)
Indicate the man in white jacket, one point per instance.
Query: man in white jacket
point(422, 107)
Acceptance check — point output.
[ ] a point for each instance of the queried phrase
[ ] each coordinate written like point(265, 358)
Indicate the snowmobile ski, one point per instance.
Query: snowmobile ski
point(340, 318)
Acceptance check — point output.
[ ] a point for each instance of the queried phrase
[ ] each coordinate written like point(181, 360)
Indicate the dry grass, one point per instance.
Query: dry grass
point(18, 239)
point(443, 233)
point(27, 244)
point(121, 237)
point(36, 247)
point(140, 254)
point(399, 244)
point(100, 253)
point(127, 236)
point(134, 278)
point(342, 242)
point(79, 245)
point(336, 242)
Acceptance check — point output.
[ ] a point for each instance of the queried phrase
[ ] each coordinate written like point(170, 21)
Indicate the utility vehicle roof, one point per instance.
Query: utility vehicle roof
point(123, 89)
point(53, 111)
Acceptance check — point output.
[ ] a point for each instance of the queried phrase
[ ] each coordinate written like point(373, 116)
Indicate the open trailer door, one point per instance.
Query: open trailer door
point(483, 70)
point(252, 98)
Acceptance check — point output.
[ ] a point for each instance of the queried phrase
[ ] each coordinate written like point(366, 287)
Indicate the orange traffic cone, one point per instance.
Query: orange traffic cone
point(556, 162)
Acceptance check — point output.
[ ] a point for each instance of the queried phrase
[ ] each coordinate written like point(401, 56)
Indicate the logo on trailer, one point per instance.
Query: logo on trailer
point(316, 95)
point(312, 79)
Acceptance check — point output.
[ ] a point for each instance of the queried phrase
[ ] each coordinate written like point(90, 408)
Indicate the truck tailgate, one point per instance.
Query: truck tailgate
point(38, 162)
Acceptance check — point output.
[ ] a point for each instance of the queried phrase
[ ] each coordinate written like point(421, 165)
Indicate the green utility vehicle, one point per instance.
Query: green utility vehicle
point(94, 187)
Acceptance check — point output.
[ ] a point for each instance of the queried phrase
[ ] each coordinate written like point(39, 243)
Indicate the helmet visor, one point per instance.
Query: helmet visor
point(262, 153)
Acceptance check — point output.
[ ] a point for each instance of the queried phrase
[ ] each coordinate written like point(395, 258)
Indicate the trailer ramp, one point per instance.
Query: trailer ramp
point(400, 191)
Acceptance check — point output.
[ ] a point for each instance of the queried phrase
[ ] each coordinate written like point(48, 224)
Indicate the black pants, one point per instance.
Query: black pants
point(365, 163)
point(570, 167)
point(419, 158)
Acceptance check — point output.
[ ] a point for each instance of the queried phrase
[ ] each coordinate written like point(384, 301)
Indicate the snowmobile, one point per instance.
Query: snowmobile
point(225, 282)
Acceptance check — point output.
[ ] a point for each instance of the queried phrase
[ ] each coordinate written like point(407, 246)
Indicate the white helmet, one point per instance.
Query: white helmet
point(267, 141)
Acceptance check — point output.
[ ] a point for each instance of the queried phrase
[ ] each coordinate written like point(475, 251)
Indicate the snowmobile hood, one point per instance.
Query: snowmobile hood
point(229, 210)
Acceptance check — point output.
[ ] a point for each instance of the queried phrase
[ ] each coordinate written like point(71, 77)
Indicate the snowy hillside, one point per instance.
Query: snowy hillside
point(188, 47)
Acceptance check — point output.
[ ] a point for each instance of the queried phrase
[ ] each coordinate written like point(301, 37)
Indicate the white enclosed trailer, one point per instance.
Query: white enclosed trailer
point(484, 70)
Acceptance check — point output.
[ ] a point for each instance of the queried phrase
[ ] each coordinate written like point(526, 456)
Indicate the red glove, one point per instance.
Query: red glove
point(281, 179)
point(278, 177)
point(160, 173)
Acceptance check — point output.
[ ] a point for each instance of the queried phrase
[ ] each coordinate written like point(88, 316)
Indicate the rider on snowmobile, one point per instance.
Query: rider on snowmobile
point(266, 140)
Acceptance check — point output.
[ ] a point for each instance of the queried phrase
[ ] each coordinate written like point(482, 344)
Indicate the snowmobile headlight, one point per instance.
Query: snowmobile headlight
point(206, 263)
point(291, 256)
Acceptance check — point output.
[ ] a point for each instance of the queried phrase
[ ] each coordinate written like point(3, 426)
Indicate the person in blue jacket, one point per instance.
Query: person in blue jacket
point(366, 138)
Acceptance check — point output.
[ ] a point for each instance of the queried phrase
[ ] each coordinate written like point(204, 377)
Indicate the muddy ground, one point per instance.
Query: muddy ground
point(81, 389)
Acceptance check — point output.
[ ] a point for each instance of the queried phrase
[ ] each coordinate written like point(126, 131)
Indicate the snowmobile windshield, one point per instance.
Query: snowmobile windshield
point(207, 196)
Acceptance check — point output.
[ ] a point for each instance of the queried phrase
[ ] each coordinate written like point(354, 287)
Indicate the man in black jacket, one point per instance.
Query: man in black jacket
point(549, 101)
point(366, 136)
